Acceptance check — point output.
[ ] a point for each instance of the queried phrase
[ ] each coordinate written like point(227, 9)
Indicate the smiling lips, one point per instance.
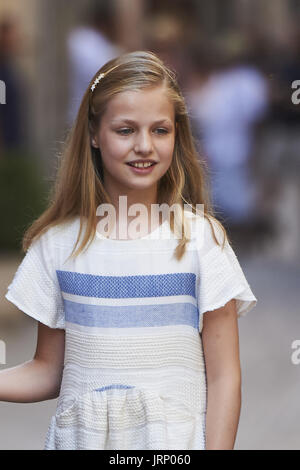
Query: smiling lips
point(141, 163)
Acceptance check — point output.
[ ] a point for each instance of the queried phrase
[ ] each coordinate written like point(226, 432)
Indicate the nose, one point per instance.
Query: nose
point(143, 143)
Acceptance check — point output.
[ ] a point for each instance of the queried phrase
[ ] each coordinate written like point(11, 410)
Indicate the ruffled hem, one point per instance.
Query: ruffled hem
point(128, 418)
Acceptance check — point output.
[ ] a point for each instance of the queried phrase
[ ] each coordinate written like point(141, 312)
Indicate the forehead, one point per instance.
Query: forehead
point(133, 104)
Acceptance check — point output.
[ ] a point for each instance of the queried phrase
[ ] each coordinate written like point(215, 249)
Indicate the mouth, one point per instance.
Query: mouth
point(142, 168)
point(141, 164)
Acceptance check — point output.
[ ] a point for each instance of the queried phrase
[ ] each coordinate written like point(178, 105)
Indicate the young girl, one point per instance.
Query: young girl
point(137, 335)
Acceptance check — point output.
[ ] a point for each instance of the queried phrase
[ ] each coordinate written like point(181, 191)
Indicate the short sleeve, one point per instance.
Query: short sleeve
point(35, 289)
point(221, 277)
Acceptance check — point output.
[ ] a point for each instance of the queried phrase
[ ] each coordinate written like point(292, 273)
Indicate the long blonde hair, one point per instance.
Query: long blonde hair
point(79, 189)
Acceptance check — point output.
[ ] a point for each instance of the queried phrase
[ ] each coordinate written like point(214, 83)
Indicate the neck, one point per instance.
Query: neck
point(122, 201)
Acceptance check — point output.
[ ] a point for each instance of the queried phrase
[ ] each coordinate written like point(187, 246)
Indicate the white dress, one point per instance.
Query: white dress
point(134, 370)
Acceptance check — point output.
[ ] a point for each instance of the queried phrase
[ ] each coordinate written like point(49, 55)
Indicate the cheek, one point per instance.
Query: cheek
point(167, 149)
point(114, 150)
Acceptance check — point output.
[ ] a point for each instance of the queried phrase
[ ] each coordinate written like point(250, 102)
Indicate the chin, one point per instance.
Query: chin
point(142, 185)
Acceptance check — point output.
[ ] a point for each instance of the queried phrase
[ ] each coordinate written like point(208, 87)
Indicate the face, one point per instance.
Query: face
point(137, 125)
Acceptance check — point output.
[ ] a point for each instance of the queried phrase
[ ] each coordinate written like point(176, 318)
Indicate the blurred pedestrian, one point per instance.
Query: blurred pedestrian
point(90, 45)
point(166, 34)
point(11, 127)
point(226, 107)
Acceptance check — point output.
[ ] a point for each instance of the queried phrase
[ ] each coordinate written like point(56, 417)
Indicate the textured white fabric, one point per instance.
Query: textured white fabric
point(134, 369)
point(35, 289)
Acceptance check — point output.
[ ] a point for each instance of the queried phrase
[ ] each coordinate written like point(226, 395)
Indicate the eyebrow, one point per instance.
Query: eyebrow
point(130, 121)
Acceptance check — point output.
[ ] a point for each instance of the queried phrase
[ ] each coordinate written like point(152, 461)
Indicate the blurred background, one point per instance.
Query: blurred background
point(235, 61)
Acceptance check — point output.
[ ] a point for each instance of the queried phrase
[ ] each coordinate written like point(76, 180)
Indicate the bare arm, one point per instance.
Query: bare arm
point(221, 350)
point(40, 378)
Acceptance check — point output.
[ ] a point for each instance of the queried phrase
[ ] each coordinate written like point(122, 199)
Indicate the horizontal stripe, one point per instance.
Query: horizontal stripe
point(137, 331)
point(154, 285)
point(131, 316)
point(183, 348)
point(109, 387)
point(171, 299)
point(147, 377)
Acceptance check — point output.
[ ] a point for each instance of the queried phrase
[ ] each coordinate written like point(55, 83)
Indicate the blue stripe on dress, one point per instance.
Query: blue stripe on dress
point(116, 287)
point(104, 316)
point(109, 387)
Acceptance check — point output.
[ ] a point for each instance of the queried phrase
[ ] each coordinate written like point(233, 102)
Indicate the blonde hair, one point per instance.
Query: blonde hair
point(79, 189)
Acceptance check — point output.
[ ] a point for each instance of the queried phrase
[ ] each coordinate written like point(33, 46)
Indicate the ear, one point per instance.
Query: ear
point(94, 142)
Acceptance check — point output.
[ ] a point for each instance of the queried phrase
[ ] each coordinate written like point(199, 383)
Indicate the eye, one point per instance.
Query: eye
point(123, 131)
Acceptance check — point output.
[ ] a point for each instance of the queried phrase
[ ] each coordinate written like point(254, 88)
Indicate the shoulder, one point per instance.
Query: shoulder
point(62, 234)
point(206, 232)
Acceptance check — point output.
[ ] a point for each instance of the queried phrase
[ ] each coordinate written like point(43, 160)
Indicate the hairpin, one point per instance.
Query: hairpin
point(101, 75)
point(96, 81)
